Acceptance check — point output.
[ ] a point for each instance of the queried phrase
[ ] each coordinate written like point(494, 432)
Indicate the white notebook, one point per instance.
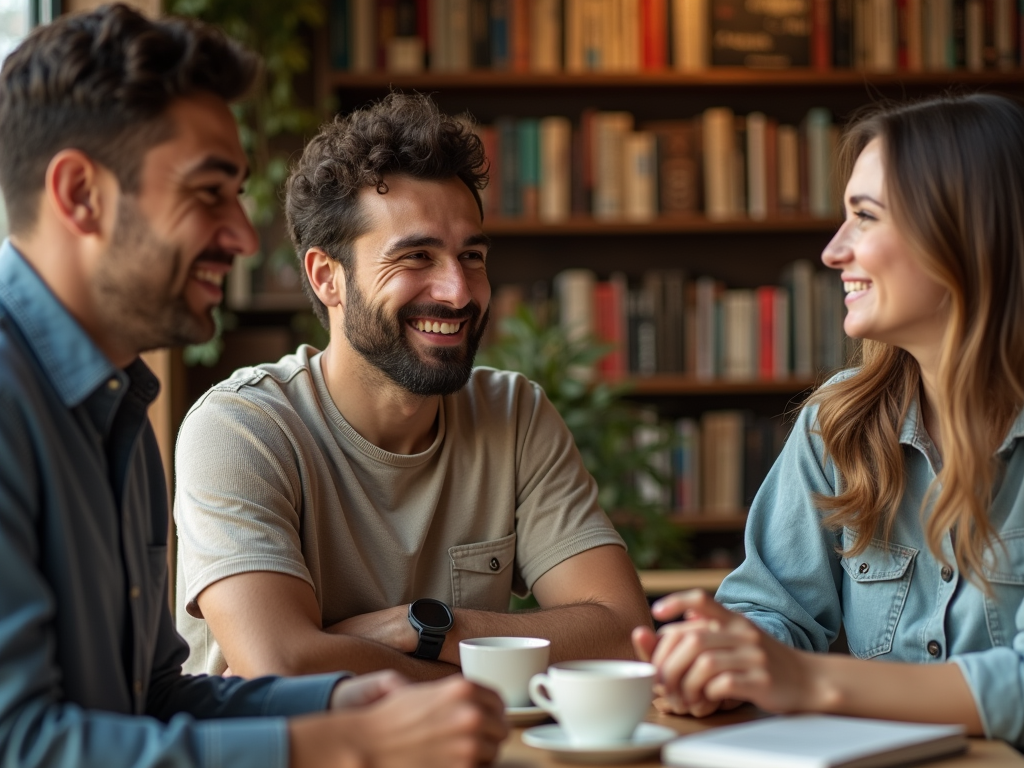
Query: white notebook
point(814, 741)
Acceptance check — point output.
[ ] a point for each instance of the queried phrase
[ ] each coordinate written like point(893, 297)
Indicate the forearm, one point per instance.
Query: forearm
point(324, 651)
point(927, 693)
point(577, 631)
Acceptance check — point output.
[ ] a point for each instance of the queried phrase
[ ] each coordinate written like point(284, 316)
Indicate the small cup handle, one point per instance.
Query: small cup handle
point(540, 695)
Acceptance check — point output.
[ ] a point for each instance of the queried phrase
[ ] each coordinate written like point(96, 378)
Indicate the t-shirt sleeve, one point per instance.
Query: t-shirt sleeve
point(238, 495)
point(557, 511)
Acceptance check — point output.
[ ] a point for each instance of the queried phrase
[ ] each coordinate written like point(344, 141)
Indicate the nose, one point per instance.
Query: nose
point(237, 235)
point(451, 284)
point(839, 251)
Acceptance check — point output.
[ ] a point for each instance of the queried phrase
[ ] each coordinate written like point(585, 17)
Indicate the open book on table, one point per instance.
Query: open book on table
point(814, 741)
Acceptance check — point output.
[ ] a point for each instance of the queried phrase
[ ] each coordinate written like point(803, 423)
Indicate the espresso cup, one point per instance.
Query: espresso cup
point(505, 664)
point(597, 703)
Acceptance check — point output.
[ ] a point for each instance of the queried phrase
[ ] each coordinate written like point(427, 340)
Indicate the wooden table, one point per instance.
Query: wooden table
point(980, 754)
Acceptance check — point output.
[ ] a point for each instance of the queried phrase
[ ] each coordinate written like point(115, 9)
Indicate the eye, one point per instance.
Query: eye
point(478, 256)
point(210, 195)
point(864, 215)
point(417, 255)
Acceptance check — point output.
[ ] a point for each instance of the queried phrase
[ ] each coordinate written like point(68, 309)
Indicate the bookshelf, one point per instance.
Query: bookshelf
point(739, 251)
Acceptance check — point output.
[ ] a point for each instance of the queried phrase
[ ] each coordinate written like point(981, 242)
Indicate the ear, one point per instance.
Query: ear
point(74, 192)
point(326, 276)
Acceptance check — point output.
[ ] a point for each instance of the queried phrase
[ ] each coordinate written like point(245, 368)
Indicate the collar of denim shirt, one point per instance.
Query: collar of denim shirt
point(69, 358)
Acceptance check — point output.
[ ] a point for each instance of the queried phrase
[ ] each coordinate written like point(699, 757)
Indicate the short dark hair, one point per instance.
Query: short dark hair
point(401, 134)
point(99, 82)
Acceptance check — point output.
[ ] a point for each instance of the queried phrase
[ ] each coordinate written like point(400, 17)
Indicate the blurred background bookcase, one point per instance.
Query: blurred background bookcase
point(737, 250)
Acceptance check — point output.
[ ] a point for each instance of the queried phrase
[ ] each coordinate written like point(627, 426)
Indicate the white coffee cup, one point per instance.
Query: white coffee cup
point(505, 664)
point(597, 703)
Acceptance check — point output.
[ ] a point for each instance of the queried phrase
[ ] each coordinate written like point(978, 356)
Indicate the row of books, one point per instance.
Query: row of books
point(713, 465)
point(548, 36)
point(719, 163)
point(668, 323)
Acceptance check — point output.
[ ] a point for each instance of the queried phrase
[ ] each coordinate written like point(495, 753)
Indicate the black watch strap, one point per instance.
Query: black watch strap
point(429, 645)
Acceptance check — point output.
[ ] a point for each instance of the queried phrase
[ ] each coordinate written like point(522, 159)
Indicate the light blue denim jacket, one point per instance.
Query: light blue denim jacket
point(892, 599)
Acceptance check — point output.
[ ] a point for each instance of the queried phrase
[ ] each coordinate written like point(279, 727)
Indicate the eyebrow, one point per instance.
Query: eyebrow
point(424, 241)
point(222, 165)
point(857, 199)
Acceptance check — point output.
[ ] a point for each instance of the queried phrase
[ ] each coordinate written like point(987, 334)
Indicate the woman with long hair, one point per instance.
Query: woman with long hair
point(896, 509)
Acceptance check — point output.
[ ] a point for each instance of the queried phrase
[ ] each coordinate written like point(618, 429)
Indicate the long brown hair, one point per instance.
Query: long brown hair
point(954, 178)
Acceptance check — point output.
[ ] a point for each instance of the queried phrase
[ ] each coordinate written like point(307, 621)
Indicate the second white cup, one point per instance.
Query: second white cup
point(505, 664)
point(597, 703)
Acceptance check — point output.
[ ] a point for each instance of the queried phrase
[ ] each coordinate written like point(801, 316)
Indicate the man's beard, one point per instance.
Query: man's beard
point(382, 341)
point(136, 282)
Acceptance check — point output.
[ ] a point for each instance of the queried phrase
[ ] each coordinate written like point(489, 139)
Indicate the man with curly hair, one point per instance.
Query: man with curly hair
point(321, 498)
point(121, 169)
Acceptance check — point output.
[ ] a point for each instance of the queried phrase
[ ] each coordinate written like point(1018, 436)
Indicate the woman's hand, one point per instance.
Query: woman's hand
point(716, 658)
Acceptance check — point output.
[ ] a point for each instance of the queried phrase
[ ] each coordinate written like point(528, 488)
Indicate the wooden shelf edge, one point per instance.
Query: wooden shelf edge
point(716, 77)
point(673, 384)
point(697, 224)
point(711, 521)
point(667, 581)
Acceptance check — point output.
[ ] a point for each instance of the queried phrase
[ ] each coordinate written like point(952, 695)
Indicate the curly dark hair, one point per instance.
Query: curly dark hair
point(401, 134)
point(99, 82)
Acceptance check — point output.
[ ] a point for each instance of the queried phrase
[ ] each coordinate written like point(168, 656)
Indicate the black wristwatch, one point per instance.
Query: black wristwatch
point(431, 619)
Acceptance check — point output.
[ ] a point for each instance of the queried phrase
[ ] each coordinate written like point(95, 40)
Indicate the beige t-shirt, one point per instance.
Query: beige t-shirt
point(270, 477)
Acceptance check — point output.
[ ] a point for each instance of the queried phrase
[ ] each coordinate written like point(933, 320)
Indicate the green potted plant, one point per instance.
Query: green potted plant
point(604, 425)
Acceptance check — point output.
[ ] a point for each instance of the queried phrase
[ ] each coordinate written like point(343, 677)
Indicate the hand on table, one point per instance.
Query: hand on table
point(451, 722)
point(717, 658)
point(388, 627)
point(365, 689)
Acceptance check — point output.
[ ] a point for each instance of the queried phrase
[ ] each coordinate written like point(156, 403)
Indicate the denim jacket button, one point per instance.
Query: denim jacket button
point(946, 573)
point(934, 648)
point(863, 568)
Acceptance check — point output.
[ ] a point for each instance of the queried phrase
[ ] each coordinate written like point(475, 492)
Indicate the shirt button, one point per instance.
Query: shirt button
point(134, 593)
point(946, 573)
point(495, 564)
point(864, 567)
point(113, 385)
point(934, 649)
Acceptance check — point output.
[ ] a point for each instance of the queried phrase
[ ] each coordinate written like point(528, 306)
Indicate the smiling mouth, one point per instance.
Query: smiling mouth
point(855, 286)
point(209, 276)
point(446, 328)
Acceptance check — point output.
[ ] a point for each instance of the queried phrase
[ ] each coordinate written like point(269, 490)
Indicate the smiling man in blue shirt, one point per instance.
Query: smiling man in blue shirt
point(121, 170)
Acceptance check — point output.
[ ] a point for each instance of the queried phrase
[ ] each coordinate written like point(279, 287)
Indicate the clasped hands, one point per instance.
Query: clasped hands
point(716, 659)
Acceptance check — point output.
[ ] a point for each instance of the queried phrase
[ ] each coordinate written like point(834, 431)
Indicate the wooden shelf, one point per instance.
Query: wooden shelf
point(586, 225)
point(678, 384)
point(665, 582)
point(735, 77)
point(711, 521)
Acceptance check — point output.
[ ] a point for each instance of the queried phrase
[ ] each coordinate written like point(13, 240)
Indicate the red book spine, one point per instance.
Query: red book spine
point(654, 34)
point(608, 329)
point(902, 36)
point(821, 34)
point(766, 332)
point(520, 35)
point(423, 22)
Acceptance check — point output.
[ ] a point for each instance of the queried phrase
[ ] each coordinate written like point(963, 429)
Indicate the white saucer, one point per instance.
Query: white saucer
point(647, 740)
point(525, 715)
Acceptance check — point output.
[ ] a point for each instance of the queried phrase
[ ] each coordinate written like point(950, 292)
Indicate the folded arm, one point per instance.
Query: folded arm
point(269, 623)
point(588, 605)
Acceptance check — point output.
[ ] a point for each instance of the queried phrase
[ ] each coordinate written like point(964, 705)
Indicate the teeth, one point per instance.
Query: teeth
point(445, 328)
point(850, 286)
point(209, 276)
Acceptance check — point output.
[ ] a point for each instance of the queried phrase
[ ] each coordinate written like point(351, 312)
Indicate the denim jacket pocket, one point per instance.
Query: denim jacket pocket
point(1004, 571)
point(874, 592)
point(482, 573)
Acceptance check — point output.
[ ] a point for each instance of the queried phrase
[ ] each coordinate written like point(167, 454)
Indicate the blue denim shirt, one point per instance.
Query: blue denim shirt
point(894, 600)
point(90, 662)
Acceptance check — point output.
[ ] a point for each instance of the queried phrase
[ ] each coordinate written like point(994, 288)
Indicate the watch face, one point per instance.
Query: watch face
point(431, 613)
